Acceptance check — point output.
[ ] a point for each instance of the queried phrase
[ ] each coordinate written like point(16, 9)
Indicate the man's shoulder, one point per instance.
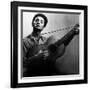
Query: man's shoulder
point(43, 38)
point(27, 39)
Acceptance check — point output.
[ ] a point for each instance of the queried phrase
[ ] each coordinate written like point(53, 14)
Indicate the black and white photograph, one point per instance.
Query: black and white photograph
point(49, 44)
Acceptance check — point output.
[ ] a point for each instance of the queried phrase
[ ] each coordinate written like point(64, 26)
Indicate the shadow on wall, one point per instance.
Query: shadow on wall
point(69, 62)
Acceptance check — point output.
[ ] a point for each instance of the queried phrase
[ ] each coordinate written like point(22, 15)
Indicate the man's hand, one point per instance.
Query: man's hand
point(44, 53)
point(76, 29)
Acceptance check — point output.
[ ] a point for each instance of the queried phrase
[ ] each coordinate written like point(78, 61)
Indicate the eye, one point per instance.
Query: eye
point(37, 20)
point(41, 21)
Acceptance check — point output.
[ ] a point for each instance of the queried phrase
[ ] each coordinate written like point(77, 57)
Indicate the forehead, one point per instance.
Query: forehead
point(39, 17)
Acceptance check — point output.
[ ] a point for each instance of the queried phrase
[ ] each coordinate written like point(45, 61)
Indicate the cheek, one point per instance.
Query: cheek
point(34, 22)
point(42, 24)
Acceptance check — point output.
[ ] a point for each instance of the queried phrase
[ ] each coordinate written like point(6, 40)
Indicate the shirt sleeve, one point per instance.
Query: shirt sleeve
point(44, 39)
point(26, 46)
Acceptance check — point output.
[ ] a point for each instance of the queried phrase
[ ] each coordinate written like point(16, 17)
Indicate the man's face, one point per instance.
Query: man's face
point(38, 23)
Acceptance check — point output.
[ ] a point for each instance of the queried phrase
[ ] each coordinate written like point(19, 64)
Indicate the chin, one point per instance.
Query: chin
point(38, 29)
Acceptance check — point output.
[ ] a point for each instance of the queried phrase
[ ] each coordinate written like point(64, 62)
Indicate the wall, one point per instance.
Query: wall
point(5, 46)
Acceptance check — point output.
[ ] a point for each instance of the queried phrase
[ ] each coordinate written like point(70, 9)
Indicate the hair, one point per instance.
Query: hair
point(43, 16)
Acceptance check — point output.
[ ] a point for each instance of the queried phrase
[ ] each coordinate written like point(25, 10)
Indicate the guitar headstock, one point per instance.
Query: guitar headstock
point(76, 28)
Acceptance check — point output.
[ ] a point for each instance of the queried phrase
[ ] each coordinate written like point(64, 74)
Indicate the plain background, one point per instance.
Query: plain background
point(5, 46)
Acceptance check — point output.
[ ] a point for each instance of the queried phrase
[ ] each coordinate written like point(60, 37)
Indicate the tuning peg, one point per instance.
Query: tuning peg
point(76, 31)
point(77, 25)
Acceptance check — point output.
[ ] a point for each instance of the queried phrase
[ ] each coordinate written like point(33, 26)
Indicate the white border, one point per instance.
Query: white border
point(52, 78)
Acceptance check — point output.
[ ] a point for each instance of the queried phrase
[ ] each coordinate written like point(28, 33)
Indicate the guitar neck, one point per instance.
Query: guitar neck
point(66, 39)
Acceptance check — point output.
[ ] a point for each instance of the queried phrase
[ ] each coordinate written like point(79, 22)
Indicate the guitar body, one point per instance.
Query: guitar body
point(38, 65)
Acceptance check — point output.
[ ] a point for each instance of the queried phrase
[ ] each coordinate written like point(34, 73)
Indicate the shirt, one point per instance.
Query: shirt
point(30, 41)
point(30, 44)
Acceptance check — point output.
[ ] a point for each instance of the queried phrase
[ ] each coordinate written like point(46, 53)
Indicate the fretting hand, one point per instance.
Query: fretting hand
point(76, 29)
point(44, 53)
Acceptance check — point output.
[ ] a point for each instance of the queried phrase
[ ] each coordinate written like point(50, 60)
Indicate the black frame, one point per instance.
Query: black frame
point(14, 43)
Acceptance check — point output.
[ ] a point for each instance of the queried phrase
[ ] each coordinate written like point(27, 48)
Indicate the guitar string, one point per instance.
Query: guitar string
point(62, 29)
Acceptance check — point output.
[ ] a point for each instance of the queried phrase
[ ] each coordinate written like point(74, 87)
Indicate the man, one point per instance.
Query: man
point(37, 61)
point(35, 66)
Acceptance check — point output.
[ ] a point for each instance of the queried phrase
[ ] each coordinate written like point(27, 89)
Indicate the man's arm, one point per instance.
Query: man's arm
point(34, 60)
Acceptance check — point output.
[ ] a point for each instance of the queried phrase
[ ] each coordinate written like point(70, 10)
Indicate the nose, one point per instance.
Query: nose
point(38, 22)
